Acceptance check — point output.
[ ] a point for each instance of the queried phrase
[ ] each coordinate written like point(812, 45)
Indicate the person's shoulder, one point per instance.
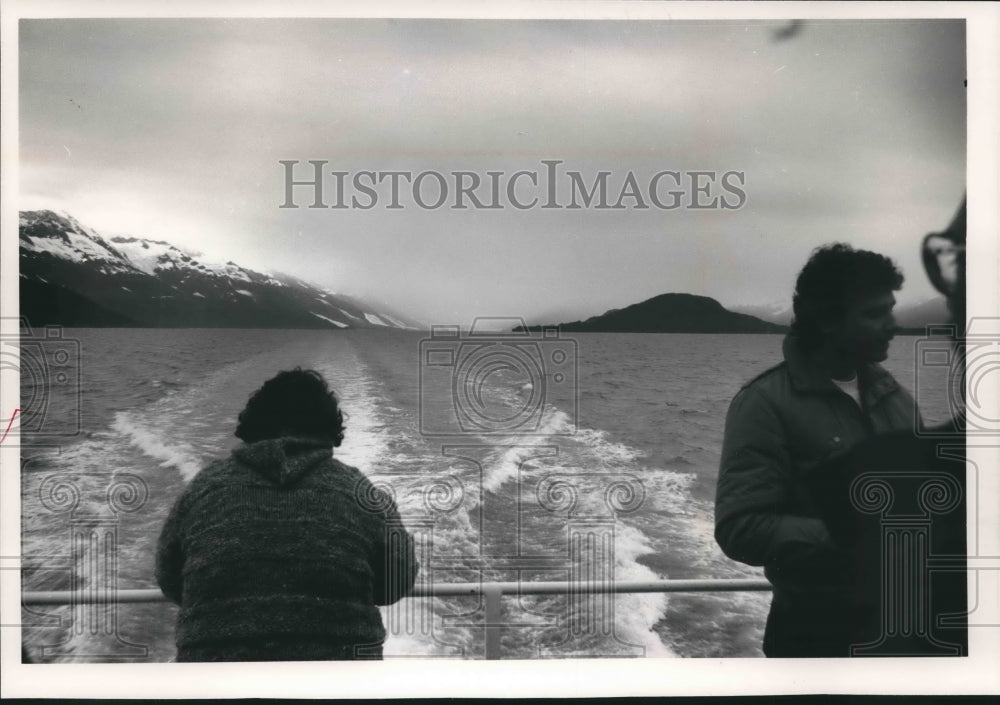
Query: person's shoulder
point(338, 466)
point(216, 472)
point(212, 478)
point(767, 384)
point(348, 478)
point(769, 376)
point(763, 393)
point(374, 497)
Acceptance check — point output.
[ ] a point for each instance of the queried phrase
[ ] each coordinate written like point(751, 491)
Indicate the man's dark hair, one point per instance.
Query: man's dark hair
point(296, 402)
point(834, 276)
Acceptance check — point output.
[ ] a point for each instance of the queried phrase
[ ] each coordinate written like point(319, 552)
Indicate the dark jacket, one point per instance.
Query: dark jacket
point(282, 552)
point(895, 505)
point(781, 427)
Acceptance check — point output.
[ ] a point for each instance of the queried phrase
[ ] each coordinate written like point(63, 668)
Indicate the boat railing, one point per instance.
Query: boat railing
point(491, 592)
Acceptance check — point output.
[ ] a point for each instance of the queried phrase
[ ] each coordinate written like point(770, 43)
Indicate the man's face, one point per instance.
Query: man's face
point(866, 329)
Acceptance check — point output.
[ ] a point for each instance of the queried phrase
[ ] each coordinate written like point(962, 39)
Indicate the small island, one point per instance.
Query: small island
point(668, 313)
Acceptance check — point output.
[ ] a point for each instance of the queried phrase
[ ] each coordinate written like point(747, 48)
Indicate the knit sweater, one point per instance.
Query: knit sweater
point(281, 543)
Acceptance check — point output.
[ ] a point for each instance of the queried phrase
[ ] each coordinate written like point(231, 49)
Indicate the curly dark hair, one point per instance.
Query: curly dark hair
point(834, 276)
point(295, 402)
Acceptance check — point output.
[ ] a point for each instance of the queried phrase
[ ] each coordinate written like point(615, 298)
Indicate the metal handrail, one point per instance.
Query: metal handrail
point(60, 597)
point(492, 591)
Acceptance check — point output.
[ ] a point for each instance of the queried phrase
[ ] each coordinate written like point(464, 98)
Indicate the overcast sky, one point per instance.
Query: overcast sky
point(173, 129)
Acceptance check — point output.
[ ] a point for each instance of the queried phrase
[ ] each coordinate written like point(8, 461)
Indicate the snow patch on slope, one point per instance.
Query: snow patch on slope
point(149, 255)
point(336, 323)
point(72, 246)
point(233, 271)
point(394, 321)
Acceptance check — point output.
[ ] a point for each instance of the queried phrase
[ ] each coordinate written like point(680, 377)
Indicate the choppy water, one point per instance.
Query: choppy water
point(531, 488)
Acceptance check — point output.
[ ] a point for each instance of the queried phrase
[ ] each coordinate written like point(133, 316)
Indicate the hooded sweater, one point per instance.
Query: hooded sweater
point(281, 543)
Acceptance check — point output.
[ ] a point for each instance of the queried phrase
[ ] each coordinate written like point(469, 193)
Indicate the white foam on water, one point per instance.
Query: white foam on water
point(555, 424)
point(402, 644)
point(593, 451)
point(365, 445)
point(609, 452)
point(669, 490)
point(91, 467)
point(151, 440)
point(638, 613)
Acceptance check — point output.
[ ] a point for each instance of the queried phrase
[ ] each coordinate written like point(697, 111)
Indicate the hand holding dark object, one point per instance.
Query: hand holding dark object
point(817, 562)
point(873, 499)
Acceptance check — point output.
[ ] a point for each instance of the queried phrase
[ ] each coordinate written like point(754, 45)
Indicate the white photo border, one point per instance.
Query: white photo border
point(552, 678)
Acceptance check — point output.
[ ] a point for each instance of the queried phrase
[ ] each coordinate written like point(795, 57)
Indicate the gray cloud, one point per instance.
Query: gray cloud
point(847, 130)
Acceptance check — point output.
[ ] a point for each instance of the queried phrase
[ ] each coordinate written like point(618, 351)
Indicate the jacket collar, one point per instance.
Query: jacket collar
point(874, 381)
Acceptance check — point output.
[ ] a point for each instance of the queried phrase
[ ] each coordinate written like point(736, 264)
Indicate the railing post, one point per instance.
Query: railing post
point(493, 592)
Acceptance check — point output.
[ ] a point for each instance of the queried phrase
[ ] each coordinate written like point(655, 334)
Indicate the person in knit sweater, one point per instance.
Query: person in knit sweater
point(280, 551)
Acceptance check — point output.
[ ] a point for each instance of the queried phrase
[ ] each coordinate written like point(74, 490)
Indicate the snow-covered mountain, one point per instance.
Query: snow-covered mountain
point(71, 275)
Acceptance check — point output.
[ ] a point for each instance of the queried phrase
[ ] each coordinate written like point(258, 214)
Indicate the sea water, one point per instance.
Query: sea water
point(611, 482)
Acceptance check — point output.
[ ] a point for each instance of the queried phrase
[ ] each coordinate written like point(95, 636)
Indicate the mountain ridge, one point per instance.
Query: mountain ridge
point(72, 275)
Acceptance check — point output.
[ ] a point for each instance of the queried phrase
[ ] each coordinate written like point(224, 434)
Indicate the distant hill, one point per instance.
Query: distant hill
point(671, 313)
point(912, 319)
point(70, 275)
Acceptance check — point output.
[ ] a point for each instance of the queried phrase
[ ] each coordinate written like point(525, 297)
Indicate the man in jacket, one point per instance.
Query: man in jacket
point(828, 394)
point(909, 577)
point(281, 552)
